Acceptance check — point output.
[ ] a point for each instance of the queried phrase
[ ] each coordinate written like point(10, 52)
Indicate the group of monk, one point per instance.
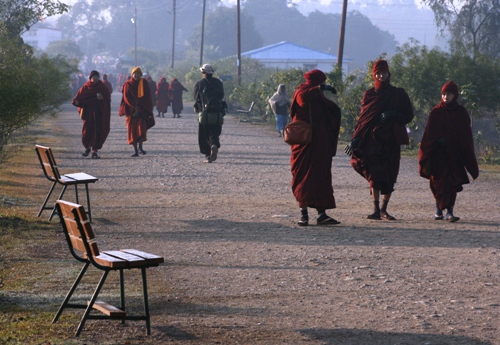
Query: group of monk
point(139, 96)
point(445, 156)
point(446, 152)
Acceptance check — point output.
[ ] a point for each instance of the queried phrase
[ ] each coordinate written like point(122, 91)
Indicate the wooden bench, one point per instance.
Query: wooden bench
point(83, 246)
point(51, 171)
point(246, 113)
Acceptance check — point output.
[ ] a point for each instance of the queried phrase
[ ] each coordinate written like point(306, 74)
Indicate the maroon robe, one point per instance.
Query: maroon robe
point(162, 96)
point(446, 151)
point(311, 164)
point(377, 155)
point(176, 89)
point(96, 114)
point(109, 86)
point(136, 126)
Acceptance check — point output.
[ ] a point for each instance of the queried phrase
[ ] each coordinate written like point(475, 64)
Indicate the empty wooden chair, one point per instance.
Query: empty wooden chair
point(83, 246)
point(246, 113)
point(51, 171)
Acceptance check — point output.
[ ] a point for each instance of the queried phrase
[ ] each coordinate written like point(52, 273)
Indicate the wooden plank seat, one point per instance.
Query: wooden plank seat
point(83, 247)
point(246, 113)
point(51, 172)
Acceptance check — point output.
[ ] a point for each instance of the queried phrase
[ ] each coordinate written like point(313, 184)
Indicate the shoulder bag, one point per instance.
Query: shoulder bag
point(298, 132)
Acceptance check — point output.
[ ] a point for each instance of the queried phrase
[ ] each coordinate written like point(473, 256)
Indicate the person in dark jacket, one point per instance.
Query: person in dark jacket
point(208, 94)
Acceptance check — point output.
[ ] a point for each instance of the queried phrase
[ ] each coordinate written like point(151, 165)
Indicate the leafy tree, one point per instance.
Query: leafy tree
point(30, 86)
point(217, 26)
point(67, 48)
point(17, 16)
point(473, 24)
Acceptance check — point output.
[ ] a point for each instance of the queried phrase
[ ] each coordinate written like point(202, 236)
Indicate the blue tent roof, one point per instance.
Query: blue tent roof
point(286, 50)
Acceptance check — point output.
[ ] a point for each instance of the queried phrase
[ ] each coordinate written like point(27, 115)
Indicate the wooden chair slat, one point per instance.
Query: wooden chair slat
point(151, 258)
point(108, 309)
point(111, 261)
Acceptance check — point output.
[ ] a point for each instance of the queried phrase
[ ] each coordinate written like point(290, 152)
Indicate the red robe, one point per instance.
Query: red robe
point(96, 113)
point(108, 85)
point(446, 151)
point(136, 126)
point(162, 96)
point(176, 90)
point(377, 155)
point(311, 164)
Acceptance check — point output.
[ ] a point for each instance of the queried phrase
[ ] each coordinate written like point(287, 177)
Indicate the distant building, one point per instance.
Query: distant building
point(40, 35)
point(285, 55)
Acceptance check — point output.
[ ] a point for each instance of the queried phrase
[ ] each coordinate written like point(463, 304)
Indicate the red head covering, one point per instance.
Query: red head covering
point(315, 77)
point(452, 88)
point(379, 66)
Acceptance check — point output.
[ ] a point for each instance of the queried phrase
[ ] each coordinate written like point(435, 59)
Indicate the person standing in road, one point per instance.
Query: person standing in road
point(208, 93)
point(162, 97)
point(311, 164)
point(94, 105)
point(379, 133)
point(107, 83)
point(280, 104)
point(137, 107)
point(176, 89)
point(447, 151)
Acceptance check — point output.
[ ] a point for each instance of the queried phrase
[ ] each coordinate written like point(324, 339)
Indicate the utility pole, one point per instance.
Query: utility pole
point(342, 35)
point(238, 40)
point(135, 34)
point(202, 32)
point(173, 38)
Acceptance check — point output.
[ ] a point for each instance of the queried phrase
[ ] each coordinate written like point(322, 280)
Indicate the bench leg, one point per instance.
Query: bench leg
point(60, 198)
point(91, 303)
point(70, 293)
point(122, 293)
point(146, 302)
point(47, 199)
point(89, 211)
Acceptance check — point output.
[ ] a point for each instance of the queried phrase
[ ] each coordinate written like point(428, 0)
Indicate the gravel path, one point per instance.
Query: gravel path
point(239, 271)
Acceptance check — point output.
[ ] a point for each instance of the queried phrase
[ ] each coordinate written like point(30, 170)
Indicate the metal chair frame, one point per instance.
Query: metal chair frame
point(246, 113)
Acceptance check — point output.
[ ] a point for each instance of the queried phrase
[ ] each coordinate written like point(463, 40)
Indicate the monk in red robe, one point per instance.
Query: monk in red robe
point(136, 105)
point(447, 151)
point(378, 136)
point(107, 83)
point(311, 164)
point(162, 97)
point(176, 89)
point(94, 105)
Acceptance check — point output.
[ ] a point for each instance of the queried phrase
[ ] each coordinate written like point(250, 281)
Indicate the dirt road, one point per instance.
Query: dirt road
point(239, 271)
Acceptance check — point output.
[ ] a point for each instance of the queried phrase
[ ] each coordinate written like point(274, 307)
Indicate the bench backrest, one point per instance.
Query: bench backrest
point(251, 107)
point(48, 162)
point(77, 229)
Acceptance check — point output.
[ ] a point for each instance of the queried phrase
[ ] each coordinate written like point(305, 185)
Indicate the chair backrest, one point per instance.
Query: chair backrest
point(48, 162)
point(251, 107)
point(77, 228)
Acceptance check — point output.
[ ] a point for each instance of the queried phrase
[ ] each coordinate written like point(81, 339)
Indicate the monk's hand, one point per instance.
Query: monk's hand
point(328, 88)
point(352, 146)
point(387, 115)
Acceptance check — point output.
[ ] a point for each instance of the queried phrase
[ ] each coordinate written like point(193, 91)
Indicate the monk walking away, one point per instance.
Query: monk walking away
point(94, 105)
point(311, 164)
point(447, 152)
point(137, 106)
point(379, 133)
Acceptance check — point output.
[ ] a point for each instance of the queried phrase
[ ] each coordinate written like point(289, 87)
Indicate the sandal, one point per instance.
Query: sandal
point(95, 155)
point(451, 218)
point(386, 216)
point(86, 153)
point(374, 216)
point(327, 221)
point(438, 217)
point(304, 221)
point(135, 155)
point(142, 152)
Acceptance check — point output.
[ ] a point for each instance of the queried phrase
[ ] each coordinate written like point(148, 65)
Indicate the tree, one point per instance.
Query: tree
point(67, 48)
point(474, 25)
point(30, 86)
point(17, 16)
point(217, 26)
